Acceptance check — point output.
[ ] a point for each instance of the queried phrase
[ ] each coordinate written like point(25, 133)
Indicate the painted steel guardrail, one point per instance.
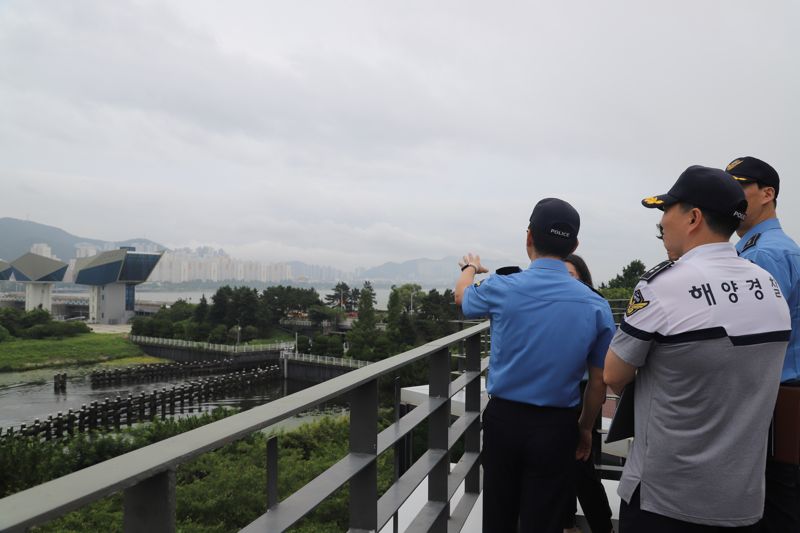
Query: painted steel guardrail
point(147, 475)
point(325, 360)
point(209, 347)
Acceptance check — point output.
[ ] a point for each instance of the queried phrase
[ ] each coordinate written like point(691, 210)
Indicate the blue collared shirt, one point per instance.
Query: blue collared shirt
point(546, 328)
point(778, 254)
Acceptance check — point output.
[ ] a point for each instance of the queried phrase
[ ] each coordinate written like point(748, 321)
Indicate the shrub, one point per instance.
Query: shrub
point(11, 320)
point(56, 329)
point(35, 317)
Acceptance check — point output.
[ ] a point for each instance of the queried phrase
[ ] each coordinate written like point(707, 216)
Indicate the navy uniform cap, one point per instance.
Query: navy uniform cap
point(750, 169)
point(704, 187)
point(555, 221)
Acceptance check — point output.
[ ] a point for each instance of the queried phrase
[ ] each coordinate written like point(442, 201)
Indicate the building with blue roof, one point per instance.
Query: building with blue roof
point(112, 278)
point(5, 270)
point(37, 273)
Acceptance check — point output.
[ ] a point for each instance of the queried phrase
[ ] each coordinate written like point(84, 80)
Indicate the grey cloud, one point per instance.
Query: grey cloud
point(362, 132)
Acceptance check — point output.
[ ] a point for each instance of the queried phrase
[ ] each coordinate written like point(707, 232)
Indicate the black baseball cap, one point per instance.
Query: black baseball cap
point(555, 222)
point(707, 188)
point(753, 170)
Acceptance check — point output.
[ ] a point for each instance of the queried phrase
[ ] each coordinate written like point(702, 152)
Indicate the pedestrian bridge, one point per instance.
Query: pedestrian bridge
point(448, 492)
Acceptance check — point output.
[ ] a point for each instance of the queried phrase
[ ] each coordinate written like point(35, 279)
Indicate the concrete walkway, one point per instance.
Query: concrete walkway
point(109, 328)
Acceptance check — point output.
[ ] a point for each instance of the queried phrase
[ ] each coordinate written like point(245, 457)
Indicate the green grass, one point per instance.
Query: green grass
point(134, 360)
point(18, 354)
point(279, 336)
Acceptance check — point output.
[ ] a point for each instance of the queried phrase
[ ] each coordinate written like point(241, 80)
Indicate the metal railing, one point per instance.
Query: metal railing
point(147, 475)
point(324, 360)
point(209, 347)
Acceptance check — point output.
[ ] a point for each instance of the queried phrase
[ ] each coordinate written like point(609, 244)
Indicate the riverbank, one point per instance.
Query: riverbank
point(28, 354)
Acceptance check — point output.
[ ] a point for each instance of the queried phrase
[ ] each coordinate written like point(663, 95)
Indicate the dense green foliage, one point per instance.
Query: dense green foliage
point(36, 324)
point(19, 354)
point(235, 314)
point(413, 317)
point(628, 278)
point(241, 314)
point(220, 491)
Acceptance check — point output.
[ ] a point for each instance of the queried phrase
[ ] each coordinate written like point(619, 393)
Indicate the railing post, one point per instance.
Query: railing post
point(472, 436)
point(438, 426)
point(150, 505)
point(364, 440)
point(272, 472)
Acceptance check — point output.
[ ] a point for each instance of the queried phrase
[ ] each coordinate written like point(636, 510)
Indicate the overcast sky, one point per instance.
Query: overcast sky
point(353, 133)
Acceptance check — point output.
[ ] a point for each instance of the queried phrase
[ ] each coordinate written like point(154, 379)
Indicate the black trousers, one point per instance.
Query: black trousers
point(528, 466)
point(633, 520)
point(592, 495)
point(782, 505)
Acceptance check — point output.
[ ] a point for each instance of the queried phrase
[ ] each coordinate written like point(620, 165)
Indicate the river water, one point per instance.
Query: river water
point(25, 396)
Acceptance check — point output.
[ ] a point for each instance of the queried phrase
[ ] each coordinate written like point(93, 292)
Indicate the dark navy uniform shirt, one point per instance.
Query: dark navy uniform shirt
point(770, 248)
point(546, 328)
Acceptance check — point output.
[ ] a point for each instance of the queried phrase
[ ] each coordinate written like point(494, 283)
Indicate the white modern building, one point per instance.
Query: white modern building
point(112, 278)
point(37, 273)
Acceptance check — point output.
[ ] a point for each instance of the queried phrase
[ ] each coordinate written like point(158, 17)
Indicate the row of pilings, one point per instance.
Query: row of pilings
point(113, 414)
point(167, 371)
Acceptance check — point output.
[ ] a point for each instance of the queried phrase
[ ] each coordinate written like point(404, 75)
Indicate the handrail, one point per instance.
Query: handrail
point(148, 474)
point(206, 346)
point(325, 360)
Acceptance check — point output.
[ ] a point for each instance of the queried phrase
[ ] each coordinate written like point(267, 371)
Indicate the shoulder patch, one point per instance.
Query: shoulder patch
point(656, 270)
point(637, 303)
point(592, 289)
point(751, 242)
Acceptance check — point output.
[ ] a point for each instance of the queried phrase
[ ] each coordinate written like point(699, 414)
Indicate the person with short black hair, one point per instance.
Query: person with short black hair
point(704, 336)
point(763, 241)
point(547, 328)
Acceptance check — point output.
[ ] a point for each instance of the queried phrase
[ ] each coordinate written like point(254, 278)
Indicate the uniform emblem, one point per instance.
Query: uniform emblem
point(751, 242)
point(652, 200)
point(656, 270)
point(732, 165)
point(637, 303)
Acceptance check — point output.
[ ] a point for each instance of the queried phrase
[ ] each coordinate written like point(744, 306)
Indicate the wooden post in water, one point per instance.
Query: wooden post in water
point(129, 410)
point(117, 412)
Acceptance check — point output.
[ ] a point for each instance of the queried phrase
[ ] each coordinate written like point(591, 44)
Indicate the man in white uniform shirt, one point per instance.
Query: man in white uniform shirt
point(704, 337)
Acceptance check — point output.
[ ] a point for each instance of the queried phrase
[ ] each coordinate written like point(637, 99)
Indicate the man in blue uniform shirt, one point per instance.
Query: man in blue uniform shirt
point(547, 329)
point(764, 243)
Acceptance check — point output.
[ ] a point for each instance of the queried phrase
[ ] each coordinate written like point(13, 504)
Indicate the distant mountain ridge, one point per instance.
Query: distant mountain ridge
point(427, 271)
point(17, 236)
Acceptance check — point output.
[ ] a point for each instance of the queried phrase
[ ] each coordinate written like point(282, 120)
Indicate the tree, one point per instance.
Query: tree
point(201, 311)
point(410, 296)
point(221, 302)
point(352, 299)
point(365, 332)
point(339, 297)
point(394, 308)
point(280, 301)
point(243, 309)
point(629, 277)
point(319, 313)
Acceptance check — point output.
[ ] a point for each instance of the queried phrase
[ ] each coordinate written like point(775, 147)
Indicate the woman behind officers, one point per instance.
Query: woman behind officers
point(588, 487)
